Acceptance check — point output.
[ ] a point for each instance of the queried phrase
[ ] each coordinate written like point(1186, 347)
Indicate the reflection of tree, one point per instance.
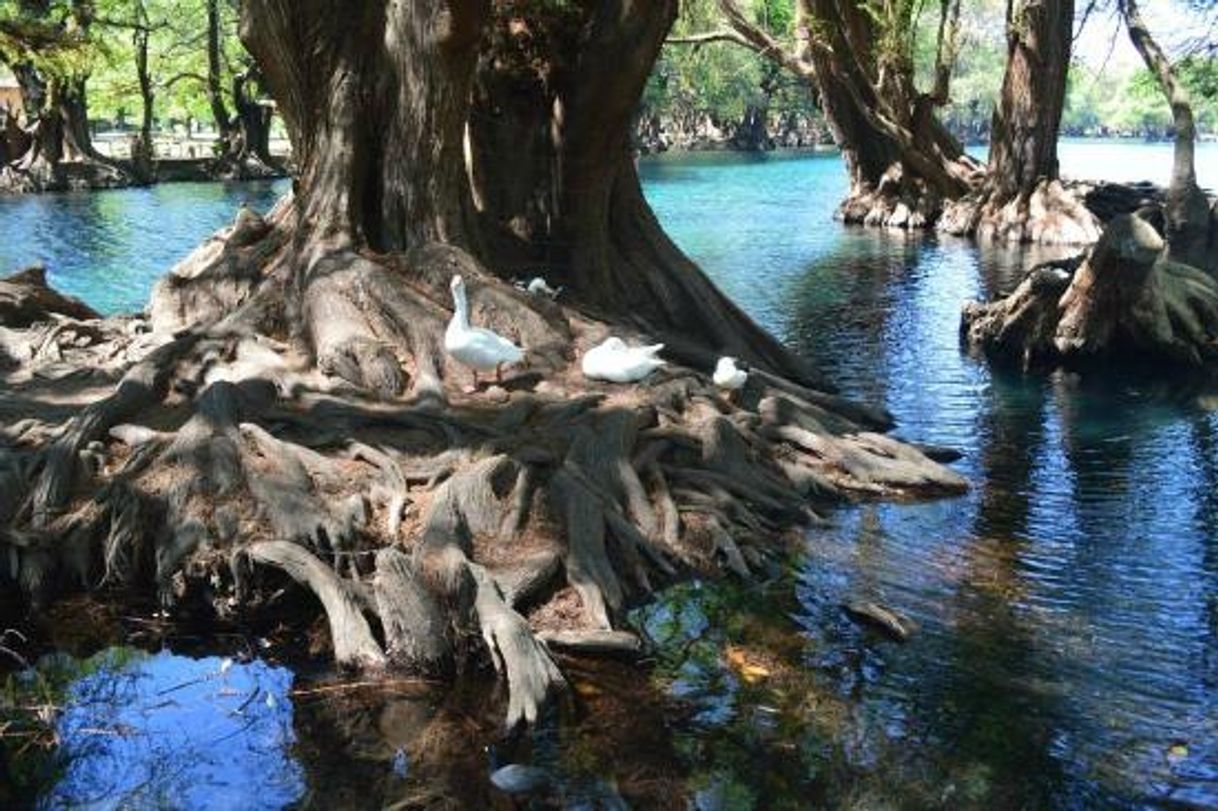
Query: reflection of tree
point(838, 308)
point(1206, 492)
point(163, 731)
point(984, 697)
point(409, 745)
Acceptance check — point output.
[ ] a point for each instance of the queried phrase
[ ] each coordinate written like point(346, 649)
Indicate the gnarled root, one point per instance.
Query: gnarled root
point(538, 511)
point(1125, 300)
point(1051, 214)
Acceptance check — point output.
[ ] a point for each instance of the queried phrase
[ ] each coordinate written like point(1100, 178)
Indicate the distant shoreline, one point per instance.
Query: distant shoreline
point(728, 145)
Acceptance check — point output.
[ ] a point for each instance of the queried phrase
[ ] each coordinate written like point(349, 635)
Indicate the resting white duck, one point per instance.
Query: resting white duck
point(538, 286)
point(482, 350)
point(727, 376)
point(616, 362)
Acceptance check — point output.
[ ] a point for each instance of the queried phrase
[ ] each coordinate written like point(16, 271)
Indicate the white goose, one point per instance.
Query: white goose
point(727, 376)
point(480, 349)
point(616, 362)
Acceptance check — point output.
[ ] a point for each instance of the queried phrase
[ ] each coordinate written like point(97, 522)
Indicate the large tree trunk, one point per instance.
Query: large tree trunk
point(1191, 223)
point(1023, 199)
point(285, 345)
point(903, 164)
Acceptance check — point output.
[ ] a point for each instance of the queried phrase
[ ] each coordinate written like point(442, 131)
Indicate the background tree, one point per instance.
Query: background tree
point(51, 47)
point(1190, 223)
point(859, 57)
point(1023, 199)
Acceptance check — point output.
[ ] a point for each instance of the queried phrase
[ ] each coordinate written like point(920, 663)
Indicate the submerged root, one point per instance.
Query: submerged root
point(539, 510)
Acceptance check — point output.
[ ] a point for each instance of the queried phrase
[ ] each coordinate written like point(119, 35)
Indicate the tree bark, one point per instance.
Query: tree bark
point(142, 154)
point(902, 163)
point(215, 96)
point(568, 199)
point(1023, 199)
point(1191, 224)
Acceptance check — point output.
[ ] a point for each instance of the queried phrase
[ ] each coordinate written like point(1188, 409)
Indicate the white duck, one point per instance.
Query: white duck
point(538, 286)
point(616, 362)
point(480, 349)
point(727, 376)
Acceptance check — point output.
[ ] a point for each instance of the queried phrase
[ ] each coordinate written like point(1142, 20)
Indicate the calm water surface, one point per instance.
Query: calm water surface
point(1068, 606)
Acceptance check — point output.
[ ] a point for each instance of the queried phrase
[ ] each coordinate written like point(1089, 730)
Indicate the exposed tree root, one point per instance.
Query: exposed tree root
point(528, 515)
point(1051, 214)
point(1125, 300)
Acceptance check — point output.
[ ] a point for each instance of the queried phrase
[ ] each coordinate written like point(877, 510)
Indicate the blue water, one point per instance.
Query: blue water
point(1068, 605)
point(162, 730)
point(108, 247)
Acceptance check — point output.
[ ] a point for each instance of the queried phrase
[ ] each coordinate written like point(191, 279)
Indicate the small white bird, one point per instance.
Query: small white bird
point(480, 349)
point(727, 376)
point(616, 362)
point(539, 287)
point(226, 664)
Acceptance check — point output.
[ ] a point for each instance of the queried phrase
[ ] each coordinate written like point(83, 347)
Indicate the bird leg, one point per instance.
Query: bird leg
point(498, 372)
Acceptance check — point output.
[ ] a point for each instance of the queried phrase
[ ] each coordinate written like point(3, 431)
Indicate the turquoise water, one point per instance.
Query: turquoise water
point(108, 247)
point(1067, 654)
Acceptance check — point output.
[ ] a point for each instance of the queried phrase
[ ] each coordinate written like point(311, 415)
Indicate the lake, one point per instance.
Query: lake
point(1067, 651)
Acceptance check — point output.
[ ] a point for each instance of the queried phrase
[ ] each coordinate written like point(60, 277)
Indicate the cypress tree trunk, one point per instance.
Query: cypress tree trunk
point(1023, 199)
point(286, 343)
point(215, 97)
point(902, 163)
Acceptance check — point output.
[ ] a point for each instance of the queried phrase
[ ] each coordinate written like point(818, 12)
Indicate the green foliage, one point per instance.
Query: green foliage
point(721, 79)
point(177, 59)
point(55, 37)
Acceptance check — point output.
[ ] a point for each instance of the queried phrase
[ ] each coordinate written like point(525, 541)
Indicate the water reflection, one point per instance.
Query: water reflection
point(138, 730)
point(1066, 605)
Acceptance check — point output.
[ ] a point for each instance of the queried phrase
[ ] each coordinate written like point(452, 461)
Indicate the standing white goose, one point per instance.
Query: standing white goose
point(480, 349)
point(728, 377)
point(616, 362)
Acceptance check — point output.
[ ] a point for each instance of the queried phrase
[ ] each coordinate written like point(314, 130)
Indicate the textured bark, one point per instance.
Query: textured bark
point(555, 185)
point(1191, 223)
point(903, 164)
point(1126, 301)
point(215, 96)
point(1023, 199)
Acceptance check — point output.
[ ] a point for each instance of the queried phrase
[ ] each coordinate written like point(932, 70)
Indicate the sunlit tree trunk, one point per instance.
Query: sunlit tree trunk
point(1192, 226)
point(1023, 199)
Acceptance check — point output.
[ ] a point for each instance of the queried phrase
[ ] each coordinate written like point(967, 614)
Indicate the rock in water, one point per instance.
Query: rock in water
point(516, 778)
point(896, 627)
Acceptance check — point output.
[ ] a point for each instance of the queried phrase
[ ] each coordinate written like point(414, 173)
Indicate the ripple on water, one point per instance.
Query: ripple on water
point(1068, 651)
